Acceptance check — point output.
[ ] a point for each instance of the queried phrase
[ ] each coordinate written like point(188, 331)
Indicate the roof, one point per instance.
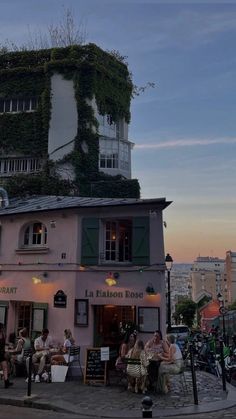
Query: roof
point(48, 202)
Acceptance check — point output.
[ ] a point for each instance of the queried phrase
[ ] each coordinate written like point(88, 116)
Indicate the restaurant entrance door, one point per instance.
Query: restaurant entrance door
point(110, 322)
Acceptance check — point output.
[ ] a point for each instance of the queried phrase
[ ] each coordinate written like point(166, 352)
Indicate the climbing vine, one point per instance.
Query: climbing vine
point(95, 73)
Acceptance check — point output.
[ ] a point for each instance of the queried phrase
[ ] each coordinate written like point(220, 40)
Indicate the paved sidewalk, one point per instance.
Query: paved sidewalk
point(115, 401)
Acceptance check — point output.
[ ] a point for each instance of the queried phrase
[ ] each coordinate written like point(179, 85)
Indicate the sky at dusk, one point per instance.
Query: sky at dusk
point(184, 128)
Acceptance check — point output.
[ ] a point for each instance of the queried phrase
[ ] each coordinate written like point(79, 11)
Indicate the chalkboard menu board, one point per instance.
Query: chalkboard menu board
point(95, 369)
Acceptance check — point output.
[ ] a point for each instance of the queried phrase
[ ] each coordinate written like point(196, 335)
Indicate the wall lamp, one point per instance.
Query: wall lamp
point(39, 279)
point(110, 280)
point(150, 289)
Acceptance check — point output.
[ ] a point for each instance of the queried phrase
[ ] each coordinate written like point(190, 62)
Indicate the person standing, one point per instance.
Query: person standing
point(3, 361)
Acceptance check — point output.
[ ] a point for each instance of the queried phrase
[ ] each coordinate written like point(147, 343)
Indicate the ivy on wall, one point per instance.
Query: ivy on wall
point(95, 73)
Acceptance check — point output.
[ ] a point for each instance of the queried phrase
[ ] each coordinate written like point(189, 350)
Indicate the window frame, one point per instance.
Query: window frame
point(112, 246)
point(152, 325)
point(81, 310)
point(17, 105)
point(33, 242)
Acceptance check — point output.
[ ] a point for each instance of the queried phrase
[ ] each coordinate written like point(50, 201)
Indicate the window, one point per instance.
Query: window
point(115, 240)
point(18, 105)
point(10, 166)
point(108, 157)
point(118, 246)
point(107, 127)
point(81, 312)
point(124, 156)
point(114, 154)
point(148, 319)
point(35, 235)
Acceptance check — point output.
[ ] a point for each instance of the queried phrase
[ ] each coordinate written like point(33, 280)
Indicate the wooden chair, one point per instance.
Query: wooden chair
point(20, 367)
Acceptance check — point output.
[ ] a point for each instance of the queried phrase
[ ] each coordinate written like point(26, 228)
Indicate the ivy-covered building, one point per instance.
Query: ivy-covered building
point(64, 116)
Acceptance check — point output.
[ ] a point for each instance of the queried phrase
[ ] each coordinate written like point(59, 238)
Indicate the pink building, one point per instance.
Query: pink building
point(56, 254)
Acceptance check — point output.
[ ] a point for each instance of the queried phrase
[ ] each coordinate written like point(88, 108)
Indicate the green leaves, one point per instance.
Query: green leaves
point(187, 308)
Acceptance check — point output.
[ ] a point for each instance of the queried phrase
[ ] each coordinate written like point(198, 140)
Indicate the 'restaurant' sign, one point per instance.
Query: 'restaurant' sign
point(60, 299)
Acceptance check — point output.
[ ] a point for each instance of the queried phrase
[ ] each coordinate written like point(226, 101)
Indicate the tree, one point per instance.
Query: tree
point(232, 306)
point(63, 34)
point(187, 308)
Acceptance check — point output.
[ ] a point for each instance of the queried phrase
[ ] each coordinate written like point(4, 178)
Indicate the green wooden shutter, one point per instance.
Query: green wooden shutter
point(140, 241)
point(39, 318)
point(3, 311)
point(90, 235)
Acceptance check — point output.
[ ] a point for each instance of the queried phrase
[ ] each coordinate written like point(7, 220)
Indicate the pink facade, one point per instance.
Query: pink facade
point(32, 274)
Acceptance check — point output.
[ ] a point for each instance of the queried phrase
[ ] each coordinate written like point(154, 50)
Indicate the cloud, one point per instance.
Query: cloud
point(192, 142)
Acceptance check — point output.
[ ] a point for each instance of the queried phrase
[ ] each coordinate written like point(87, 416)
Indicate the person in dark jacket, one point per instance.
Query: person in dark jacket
point(3, 361)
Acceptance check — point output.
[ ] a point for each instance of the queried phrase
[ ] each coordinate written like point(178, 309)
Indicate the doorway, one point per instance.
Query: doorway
point(108, 321)
point(23, 316)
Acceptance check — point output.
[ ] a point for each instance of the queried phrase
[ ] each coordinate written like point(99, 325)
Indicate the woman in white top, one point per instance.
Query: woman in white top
point(64, 357)
point(172, 363)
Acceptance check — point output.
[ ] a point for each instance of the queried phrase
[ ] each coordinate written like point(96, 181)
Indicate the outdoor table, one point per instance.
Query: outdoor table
point(153, 369)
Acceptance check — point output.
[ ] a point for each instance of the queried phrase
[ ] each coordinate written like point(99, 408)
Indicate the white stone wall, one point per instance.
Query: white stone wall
point(64, 119)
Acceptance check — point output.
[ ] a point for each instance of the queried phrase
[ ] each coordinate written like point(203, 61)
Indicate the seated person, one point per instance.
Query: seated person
point(127, 344)
point(137, 374)
point(42, 344)
point(156, 345)
point(64, 357)
point(17, 353)
point(172, 363)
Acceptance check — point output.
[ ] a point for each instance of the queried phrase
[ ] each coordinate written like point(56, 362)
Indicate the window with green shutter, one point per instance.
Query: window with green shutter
point(140, 240)
point(126, 241)
point(90, 241)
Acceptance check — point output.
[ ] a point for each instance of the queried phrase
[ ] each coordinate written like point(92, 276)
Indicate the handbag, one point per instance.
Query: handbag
point(120, 365)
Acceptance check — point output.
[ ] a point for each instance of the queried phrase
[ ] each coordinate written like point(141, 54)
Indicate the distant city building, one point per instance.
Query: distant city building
point(208, 278)
point(180, 277)
point(230, 283)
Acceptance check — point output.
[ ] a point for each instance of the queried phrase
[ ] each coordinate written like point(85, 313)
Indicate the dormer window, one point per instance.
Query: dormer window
point(35, 235)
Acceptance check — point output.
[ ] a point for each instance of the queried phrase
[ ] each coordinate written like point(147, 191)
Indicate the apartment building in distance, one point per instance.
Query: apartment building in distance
point(208, 278)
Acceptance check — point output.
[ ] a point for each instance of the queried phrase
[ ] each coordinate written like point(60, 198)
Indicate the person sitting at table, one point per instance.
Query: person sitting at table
point(137, 373)
point(156, 345)
point(64, 356)
point(171, 363)
point(127, 344)
point(17, 353)
point(42, 346)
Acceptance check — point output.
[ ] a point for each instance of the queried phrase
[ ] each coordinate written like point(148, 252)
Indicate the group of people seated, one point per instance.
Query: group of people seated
point(43, 352)
point(156, 360)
